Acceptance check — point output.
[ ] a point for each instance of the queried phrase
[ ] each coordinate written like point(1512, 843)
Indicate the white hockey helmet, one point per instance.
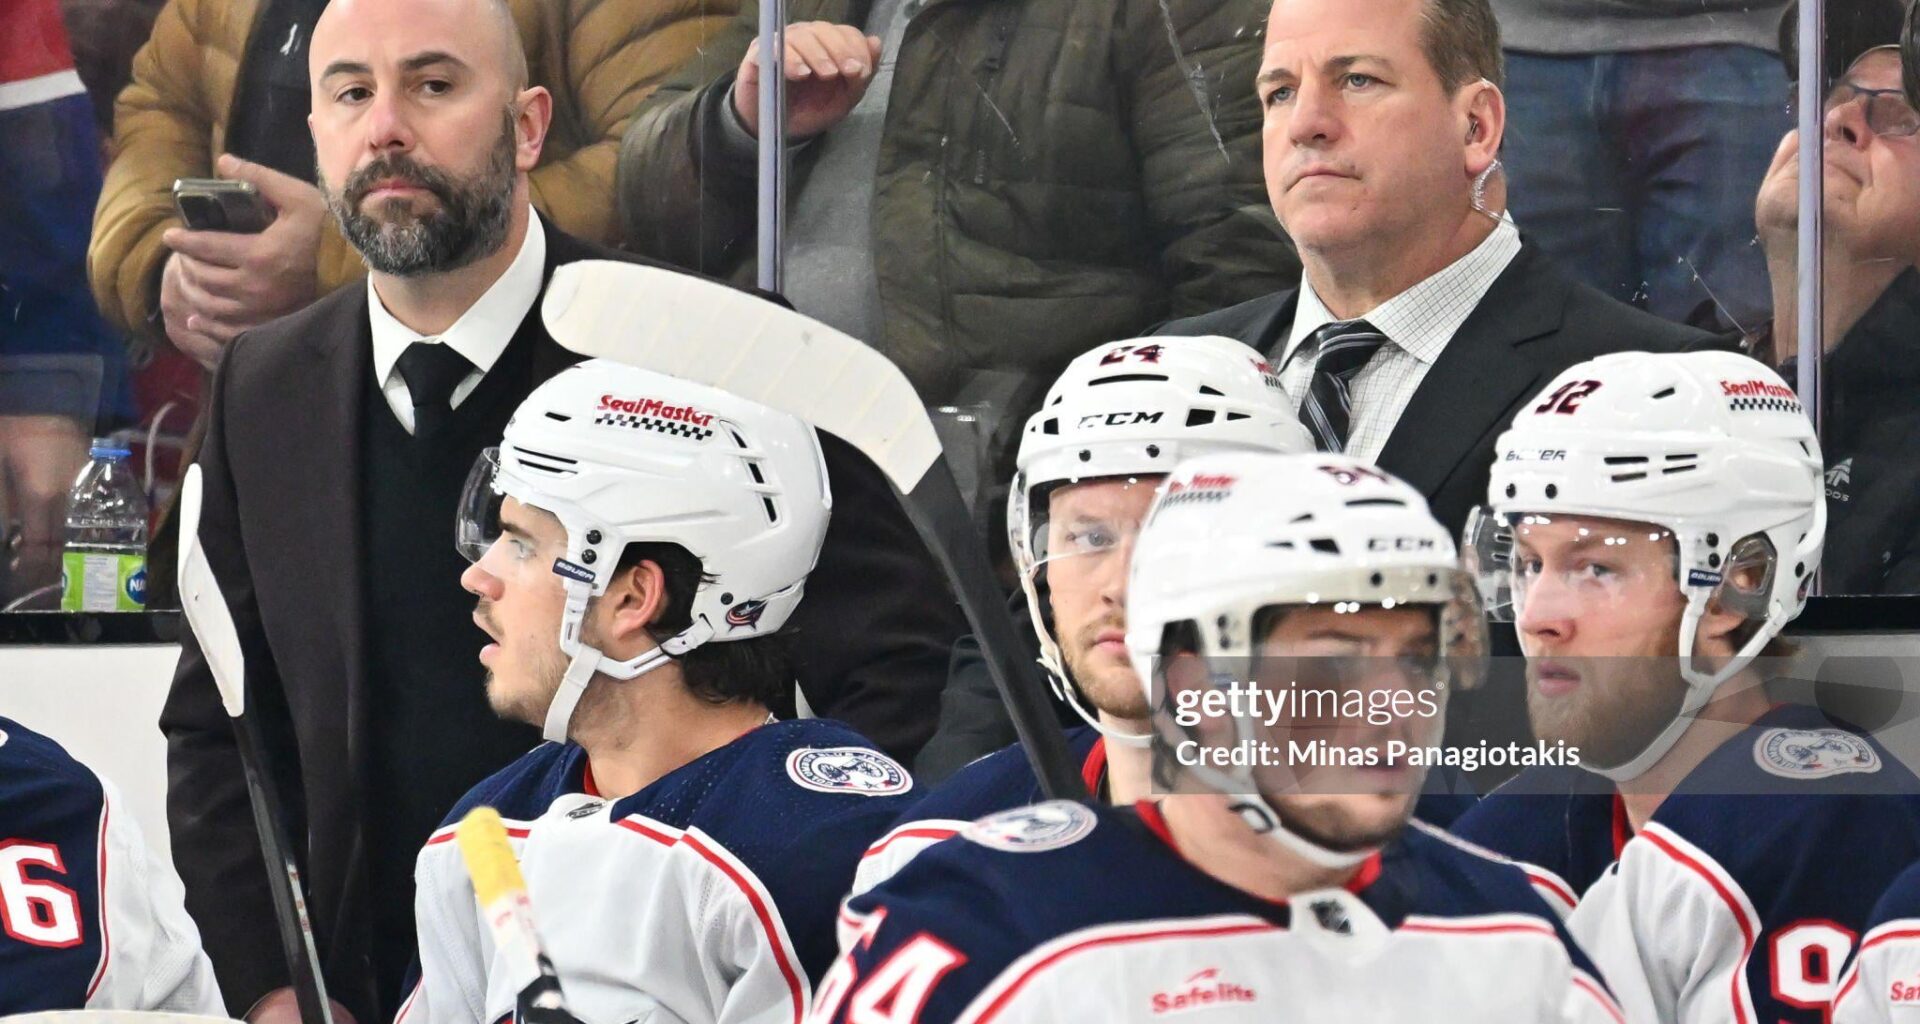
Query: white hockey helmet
point(622, 455)
point(1136, 409)
point(1711, 447)
point(1232, 534)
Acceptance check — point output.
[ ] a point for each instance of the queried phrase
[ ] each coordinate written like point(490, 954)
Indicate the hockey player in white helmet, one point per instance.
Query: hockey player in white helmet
point(1115, 422)
point(1654, 522)
point(1279, 886)
point(637, 543)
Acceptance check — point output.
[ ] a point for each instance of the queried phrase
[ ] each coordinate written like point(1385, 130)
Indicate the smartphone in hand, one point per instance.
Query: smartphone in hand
point(217, 204)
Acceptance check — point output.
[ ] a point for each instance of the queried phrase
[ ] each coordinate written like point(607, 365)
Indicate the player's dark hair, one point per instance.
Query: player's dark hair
point(759, 669)
point(1461, 39)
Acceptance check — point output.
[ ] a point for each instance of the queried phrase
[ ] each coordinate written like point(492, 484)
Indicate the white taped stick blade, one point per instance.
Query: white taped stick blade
point(205, 606)
point(712, 334)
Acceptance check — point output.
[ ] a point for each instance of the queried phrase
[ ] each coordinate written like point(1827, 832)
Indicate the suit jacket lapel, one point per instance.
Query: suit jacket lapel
point(1478, 376)
point(322, 491)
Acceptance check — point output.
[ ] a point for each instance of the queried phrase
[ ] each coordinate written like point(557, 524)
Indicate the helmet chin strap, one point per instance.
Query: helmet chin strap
point(588, 660)
point(1262, 818)
point(1700, 689)
point(1066, 690)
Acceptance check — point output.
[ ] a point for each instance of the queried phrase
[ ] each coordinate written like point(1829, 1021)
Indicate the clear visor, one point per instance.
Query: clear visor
point(1080, 536)
point(1568, 566)
point(1342, 699)
point(478, 522)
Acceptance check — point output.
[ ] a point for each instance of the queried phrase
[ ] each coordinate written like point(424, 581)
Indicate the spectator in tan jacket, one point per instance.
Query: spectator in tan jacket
point(220, 90)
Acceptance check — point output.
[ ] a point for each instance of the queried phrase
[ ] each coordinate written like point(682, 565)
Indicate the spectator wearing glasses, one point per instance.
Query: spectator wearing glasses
point(1870, 334)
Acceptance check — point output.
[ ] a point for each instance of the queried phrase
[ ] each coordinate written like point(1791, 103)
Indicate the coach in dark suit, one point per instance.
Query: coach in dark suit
point(339, 440)
point(1422, 321)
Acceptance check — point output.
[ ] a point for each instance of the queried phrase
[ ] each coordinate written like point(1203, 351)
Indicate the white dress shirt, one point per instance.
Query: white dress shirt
point(481, 333)
point(1418, 324)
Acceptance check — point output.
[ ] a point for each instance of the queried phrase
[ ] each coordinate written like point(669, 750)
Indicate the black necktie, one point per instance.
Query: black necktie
point(1344, 346)
point(432, 370)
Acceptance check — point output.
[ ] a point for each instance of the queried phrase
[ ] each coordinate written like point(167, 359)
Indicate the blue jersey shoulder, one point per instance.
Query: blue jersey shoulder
point(797, 803)
point(1796, 780)
point(1559, 818)
point(1022, 878)
point(1901, 901)
point(51, 809)
point(1000, 781)
point(523, 790)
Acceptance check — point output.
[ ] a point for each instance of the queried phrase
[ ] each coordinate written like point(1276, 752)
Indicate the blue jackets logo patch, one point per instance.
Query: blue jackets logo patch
point(1035, 829)
point(1813, 753)
point(847, 770)
point(745, 615)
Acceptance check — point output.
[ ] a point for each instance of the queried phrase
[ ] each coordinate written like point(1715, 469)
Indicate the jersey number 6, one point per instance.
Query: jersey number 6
point(37, 913)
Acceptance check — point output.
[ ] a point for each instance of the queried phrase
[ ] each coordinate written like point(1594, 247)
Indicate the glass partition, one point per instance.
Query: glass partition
point(983, 191)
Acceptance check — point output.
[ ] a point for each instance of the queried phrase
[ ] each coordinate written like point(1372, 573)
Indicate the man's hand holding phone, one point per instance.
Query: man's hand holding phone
point(218, 283)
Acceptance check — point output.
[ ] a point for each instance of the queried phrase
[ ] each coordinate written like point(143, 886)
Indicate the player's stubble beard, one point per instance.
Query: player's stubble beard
point(1112, 689)
point(470, 221)
point(1621, 705)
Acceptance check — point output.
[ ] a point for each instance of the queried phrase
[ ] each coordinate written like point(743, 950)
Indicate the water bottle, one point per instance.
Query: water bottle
point(104, 568)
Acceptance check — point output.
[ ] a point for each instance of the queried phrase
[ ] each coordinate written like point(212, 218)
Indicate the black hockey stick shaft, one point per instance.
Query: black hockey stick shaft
point(283, 880)
point(938, 512)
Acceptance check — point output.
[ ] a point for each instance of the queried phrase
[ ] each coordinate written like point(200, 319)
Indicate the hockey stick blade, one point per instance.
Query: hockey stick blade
point(207, 614)
point(716, 335)
point(502, 894)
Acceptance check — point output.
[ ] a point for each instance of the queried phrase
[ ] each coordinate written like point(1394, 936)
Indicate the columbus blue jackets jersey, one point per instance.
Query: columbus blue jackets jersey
point(1882, 984)
point(708, 897)
point(1742, 896)
point(1068, 912)
point(88, 918)
point(1000, 781)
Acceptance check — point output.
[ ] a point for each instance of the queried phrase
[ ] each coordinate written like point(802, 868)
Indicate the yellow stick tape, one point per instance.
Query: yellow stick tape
point(490, 863)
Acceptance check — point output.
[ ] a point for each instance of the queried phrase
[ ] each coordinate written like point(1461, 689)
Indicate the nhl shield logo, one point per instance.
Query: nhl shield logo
point(1813, 753)
point(1035, 829)
point(847, 770)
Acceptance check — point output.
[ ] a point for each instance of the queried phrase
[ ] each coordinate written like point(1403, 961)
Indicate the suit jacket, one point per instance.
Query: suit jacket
point(1533, 323)
point(281, 529)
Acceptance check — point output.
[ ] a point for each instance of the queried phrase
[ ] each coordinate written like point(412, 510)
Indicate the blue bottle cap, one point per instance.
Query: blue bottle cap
point(102, 451)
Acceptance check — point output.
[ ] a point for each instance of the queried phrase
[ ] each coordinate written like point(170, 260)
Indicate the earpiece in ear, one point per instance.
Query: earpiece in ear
point(1473, 128)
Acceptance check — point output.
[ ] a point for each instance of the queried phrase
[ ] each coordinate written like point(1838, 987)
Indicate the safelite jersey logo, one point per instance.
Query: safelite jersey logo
point(1201, 990)
point(1814, 753)
point(854, 770)
point(656, 416)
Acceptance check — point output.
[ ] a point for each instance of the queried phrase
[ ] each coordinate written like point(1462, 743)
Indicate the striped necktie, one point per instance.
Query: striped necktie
point(1341, 349)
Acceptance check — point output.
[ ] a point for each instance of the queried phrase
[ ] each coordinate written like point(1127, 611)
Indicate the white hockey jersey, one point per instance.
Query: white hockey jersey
point(1068, 912)
point(1882, 983)
point(708, 897)
point(1742, 896)
point(89, 919)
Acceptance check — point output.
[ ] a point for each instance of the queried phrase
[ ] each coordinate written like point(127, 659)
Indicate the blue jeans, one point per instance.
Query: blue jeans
point(1637, 171)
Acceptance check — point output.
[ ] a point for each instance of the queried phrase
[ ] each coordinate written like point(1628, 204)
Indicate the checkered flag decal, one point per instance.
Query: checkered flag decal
point(1766, 404)
point(670, 428)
